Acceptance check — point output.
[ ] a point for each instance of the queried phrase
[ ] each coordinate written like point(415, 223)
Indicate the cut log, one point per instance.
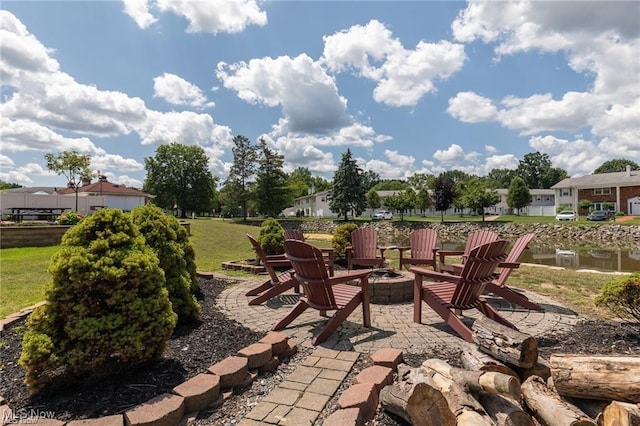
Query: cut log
point(591, 407)
point(613, 378)
point(504, 411)
point(477, 381)
point(541, 369)
point(415, 398)
point(468, 411)
point(621, 414)
point(504, 343)
point(546, 404)
point(475, 360)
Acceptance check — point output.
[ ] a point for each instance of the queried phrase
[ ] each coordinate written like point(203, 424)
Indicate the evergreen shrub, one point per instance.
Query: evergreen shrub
point(170, 242)
point(622, 296)
point(271, 237)
point(107, 307)
point(342, 237)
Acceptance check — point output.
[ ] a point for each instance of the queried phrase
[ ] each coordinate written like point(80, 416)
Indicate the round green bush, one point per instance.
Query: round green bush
point(170, 242)
point(342, 237)
point(271, 237)
point(107, 307)
point(69, 218)
point(622, 296)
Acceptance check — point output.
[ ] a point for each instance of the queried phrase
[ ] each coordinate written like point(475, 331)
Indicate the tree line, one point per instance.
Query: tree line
point(179, 178)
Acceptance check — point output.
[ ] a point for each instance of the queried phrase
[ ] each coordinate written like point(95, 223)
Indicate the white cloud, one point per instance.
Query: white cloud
point(490, 149)
point(229, 16)
point(23, 174)
point(113, 161)
point(600, 40)
point(578, 157)
point(49, 111)
point(450, 155)
point(404, 76)
point(178, 91)
point(290, 83)
point(6, 161)
point(139, 11)
point(472, 108)
point(398, 166)
point(506, 161)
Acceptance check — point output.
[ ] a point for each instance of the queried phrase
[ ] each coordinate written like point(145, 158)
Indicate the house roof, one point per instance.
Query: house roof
point(105, 188)
point(505, 191)
point(31, 190)
point(602, 180)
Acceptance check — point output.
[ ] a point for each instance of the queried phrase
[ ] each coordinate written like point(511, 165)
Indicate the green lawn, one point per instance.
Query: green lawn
point(23, 271)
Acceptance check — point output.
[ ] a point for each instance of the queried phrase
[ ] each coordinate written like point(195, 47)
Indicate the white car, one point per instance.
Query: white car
point(567, 215)
point(382, 214)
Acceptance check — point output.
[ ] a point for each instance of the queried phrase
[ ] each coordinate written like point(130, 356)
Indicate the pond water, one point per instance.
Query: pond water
point(577, 258)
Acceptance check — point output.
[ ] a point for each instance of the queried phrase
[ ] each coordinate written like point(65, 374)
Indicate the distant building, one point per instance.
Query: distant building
point(620, 189)
point(115, 195)
point(542, 203)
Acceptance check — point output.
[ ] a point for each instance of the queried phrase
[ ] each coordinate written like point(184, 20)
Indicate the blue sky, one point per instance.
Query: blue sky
point(416, 86)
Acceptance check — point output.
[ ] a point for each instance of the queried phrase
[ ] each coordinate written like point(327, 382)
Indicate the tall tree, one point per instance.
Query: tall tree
point(271, 191)
point(478, 196)
point(348, 194)
point(419, 181)
point(373, 199)
point(391, 185)
point(179, 176)
point(501, 178)
point(519, 195)
point(536, 171)
point(402, 201)
point(243, 169)
point(443, 194)
point(370, 179)
point(301, 181)
point(72, 165)
point(616, 165)
point(423, 199)
point(8, 185)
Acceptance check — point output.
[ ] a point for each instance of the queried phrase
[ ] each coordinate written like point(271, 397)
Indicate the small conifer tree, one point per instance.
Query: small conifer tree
point(271, 237)
point(107, 307)
point(170, 242)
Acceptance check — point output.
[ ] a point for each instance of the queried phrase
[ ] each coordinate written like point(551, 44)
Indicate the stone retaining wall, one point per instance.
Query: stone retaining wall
point(608, 235)
point(31, 236)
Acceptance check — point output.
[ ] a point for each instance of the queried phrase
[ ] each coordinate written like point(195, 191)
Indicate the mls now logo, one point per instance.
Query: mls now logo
point(24, 416)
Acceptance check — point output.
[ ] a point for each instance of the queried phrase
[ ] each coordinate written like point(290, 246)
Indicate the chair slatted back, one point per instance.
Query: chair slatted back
point(518, 248)
point(478, 270)
point(423, 243)
point(311, 271)
point(364, 242)
point(477, 238)
point(268, 265)
point(293, 234)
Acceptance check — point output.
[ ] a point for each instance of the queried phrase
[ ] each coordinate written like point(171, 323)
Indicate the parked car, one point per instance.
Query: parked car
point(599, 215)
point(567, 215)
point(382, 214)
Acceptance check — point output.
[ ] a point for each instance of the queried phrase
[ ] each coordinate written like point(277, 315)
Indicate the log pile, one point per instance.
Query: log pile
point(504, 382)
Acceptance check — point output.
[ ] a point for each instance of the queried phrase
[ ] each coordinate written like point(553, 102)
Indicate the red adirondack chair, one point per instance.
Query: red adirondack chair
point(422, 249)
point(474, 239)
point(449, 294)
point(498, 286)
point(364, 248)
point(323, 292)
point(278, 282)
point(328, 253)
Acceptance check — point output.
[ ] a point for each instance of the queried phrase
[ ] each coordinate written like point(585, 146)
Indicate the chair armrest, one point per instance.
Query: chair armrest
point(442, 254)
point(403, 248)
point(510, 265)
point(436, 276)
point(351, 275)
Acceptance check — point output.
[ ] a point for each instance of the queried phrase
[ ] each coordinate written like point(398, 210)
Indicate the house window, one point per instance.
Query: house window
point(566, 192)
point(538, 198)
point(323, 199)
point(602, 191)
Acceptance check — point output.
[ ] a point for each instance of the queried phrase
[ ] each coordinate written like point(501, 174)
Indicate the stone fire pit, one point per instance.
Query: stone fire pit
point(390, 286)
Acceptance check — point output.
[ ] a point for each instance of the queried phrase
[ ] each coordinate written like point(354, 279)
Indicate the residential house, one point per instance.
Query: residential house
point(620, 189)
point(312, 205)
point(542, 203)
point(114, 195)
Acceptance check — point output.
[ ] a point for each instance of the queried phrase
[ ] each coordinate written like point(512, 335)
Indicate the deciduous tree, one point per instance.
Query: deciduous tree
point(72, 165)
point(443, 194)
point(537, 172)
point(478, 196)
point(178, 176)
point(616, 165)
point(519, 195)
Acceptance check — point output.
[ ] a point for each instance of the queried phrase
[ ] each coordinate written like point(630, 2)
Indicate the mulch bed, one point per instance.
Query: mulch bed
point(195, 347)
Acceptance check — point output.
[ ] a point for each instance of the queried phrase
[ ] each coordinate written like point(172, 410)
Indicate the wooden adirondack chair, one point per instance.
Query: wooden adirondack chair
point(422, 249)
point(474, 239)
point(328, 253)
point(323, 292)
point(363, 249)
point(277, 283)
point(448, 294)
point(498, 286)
